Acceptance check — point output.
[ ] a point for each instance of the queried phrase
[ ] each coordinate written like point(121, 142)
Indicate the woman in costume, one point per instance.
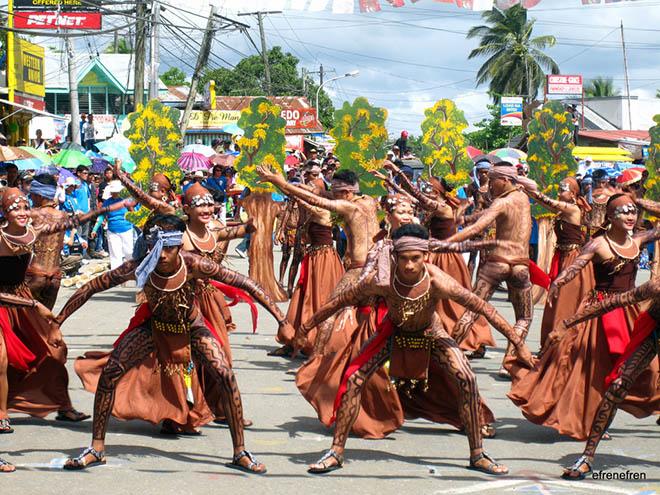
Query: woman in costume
point(170, 325)
point(570, 208)
point(635, 361)
point(39, 382)
point(440, 208)
point(564, 390)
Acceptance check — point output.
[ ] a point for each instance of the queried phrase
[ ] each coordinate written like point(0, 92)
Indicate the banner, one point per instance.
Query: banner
point(300, 118)
point(511, 111)
point(564, 85)
point(63, 5)
point(27, 74)
point(213, 119)
point(53, 20)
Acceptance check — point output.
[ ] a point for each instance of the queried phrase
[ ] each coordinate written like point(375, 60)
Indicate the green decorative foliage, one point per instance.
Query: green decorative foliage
point(550, 147)
point(361, 142)
point(263, 143)
point(443, 143)
point(653, 162)
point(155, 138)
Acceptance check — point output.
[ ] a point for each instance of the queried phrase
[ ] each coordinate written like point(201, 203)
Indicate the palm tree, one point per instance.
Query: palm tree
point(516, 60)
point(599, 87)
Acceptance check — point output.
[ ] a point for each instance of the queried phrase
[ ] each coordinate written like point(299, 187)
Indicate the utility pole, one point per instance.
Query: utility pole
point(116, 42)
point(304, 81)
point(73, 93)
point(140, 55)
point(322, 72)
point(264, 52)
point(154, 52)
point(625, 69)
point(204, 50)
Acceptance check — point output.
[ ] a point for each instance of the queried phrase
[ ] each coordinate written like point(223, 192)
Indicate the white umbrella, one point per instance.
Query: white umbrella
point(200, 149)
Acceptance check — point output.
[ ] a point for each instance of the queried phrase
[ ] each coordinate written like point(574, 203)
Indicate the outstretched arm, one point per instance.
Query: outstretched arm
point(645, 291)
point(204, 268)
point(486, 218)
point(438, 246)
point(341, 207)
point(647, 236)
point(227, 233)
point(652, 207)
point(548, 202)
point(425, 202)
point(394, 186)
point(49, 226)
point(570, 272)
point(103, 282)
point(141, 196)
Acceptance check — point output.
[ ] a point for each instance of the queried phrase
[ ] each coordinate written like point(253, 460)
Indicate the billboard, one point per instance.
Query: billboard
point(213, 119)
point(564, 85)
point(26, 73)
point(64, 5)
point(45, 19)
point(511, 111)
point(299, 118)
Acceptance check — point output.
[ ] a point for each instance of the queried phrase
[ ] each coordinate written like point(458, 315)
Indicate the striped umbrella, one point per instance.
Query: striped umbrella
point(193, 161)
point(12, 153)
point(200, 149)
point(511, 155)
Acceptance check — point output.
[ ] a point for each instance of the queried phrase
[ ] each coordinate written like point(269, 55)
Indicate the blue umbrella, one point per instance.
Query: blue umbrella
point(28, 164)
point(116, 148)
point(49, 170)
point(233, 129)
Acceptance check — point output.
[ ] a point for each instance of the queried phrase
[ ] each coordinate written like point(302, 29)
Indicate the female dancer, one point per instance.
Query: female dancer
point(635, 360)
point(36, 351)
point(570, 208)
point(564, 390)
point(440, 207)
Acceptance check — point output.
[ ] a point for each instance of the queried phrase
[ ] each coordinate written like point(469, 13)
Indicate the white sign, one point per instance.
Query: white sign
point(564, 85)
point(511, 111)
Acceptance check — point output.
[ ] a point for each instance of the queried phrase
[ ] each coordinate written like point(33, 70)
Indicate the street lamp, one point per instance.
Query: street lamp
point(353, 73)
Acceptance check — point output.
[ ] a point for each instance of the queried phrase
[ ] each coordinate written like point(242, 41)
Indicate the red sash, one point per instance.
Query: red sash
point(304, 267)
point(237, 295)
point(644, 325)
point(538, 276)
point(19, 355)
point(384, 329)
point(616, 329)
point(554, 266)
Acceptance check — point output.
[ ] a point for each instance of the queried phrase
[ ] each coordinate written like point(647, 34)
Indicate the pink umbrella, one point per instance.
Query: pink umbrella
point(291, 160)
point(193, 161)
point(472, 152)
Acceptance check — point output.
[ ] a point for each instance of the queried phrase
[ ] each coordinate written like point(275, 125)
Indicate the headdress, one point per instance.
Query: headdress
point(154, 241)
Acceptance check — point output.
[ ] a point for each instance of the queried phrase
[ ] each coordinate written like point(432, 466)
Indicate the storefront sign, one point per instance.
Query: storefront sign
point(53, 20)
point(213, 119)
point(64, 5)
point(300, 118)
point(564, 85)
point(27, 74)
point(36, 103)
point(511, 111)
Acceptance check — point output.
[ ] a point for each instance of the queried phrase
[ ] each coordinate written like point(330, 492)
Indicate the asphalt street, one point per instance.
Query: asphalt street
point(420, 458)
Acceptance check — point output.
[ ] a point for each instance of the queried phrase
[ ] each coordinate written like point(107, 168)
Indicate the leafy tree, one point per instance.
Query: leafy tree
point(490, 134)
point(263, 143)
point(515, 59)
point(174, 77)
point(600, 87)
point(155, 136)
point(248, 78)
point(123, 46)
point(361, 142)
point(443, 143)
point(652, 184)
point(550, 146)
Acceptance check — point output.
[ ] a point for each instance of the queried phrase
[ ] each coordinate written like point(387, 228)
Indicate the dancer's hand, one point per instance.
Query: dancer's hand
point(55, 338)
point(117, 166)
point(524, 356)
point(266, 174)
point(554, 337)
point(299, 340)
point(379, 175)
point(45, 313)
point(388, 165)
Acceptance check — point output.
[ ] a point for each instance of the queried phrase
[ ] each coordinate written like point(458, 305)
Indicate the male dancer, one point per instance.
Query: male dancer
point(409, 337)
point(359, 214)
point(170, 323)
point(510, 263)
point(637, 356)
point(288, 235)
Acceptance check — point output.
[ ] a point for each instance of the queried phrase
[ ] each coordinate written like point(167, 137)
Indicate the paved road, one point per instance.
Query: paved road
point(420, 458)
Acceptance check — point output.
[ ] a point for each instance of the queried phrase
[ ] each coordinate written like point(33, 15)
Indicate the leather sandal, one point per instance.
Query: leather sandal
point(490, 469)
point(4, 464)
point(5, 427)
point(327, 468)
point(78, 463)
point(250, 468)
point(574, 473)
point(71, 415)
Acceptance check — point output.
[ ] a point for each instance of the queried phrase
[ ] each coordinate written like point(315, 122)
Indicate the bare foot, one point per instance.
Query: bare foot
point(5, 467)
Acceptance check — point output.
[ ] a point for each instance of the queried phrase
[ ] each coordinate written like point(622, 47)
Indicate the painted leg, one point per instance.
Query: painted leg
point(520, 292)
point(4, 388)
point(286, 254)
point(484, 288)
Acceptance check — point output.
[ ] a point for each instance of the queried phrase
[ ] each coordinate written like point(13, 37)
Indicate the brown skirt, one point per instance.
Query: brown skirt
point(450, 311)
point(45, 389)
point(565, 389)
point(569, 297)
point(319, 378)
point(317, 281)
point(146, 391)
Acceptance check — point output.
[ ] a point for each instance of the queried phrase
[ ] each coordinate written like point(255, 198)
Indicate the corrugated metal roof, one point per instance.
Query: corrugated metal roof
point(617, 135)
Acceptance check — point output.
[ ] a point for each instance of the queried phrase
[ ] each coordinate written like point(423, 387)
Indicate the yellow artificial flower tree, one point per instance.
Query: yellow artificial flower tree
point(262, 143)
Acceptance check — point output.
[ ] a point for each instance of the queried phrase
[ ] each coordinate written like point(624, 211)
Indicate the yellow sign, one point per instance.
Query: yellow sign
point(213, 119)
point(26, 73)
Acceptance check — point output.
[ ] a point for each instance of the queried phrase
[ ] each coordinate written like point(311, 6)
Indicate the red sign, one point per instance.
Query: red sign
point(299, 118)
point(53, 20)
point(36, 103)
point(564, 85)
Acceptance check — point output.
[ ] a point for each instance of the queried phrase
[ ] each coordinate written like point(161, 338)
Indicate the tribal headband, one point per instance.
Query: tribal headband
point(44, 190)
point(410, 243)
point(340, 186)
point(156, 239)
point(11, 198)
point(201, 200)
point(394, 200)
point(625, 209)
point(620, 206)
